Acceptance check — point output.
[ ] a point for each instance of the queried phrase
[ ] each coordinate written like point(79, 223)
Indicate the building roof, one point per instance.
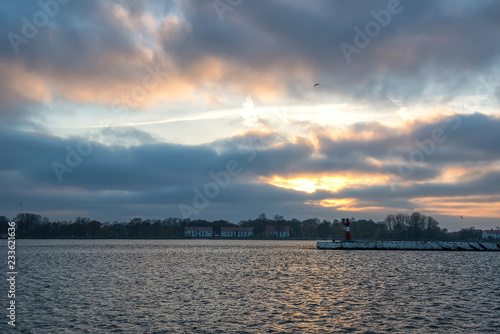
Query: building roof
point(492, 231)
point(243, 229)
point(194, 228)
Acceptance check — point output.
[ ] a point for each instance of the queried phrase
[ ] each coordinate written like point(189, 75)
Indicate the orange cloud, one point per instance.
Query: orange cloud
point(473, 206)
point(350, 204)
point(340, 204)
point(19, 83)
point(126, 78)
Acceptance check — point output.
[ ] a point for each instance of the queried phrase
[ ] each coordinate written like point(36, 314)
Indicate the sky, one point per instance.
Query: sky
point(208, 109)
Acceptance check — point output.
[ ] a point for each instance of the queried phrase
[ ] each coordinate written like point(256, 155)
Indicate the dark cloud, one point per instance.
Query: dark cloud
point(159, 176)
point(429, 43)
point(71, 39)
point(124, 136)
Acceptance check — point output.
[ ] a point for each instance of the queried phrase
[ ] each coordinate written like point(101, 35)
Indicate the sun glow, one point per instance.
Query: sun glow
point(308, 184)
point(332, 183)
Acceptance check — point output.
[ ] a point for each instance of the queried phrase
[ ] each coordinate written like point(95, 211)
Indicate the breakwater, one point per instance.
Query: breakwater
point(412, 245)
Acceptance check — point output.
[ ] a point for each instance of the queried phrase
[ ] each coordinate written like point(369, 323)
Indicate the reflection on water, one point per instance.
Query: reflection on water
point(236, 286)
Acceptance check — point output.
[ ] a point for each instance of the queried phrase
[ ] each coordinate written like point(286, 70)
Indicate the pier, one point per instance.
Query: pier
point(412, 245)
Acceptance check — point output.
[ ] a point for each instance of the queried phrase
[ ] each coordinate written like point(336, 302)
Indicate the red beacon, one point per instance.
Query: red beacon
point(346, 223)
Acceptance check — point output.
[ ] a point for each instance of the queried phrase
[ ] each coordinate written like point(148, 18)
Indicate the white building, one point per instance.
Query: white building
point(282, 231)
point(198, 232)
point(239, 232)
point(491, 234)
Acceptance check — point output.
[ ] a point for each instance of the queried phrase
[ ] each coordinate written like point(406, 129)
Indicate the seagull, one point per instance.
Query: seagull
point(315, 85)
point(461, 217)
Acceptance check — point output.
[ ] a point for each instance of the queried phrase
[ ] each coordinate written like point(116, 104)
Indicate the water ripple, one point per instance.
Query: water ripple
point(226, 286)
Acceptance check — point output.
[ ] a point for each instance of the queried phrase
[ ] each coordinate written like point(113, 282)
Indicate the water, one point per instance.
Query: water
point(238, 286)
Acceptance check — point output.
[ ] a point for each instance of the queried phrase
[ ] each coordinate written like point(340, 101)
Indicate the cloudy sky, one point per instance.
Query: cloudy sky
point(206, 109)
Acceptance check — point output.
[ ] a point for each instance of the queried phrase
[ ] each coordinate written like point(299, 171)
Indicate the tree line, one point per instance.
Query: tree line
point(414, 226)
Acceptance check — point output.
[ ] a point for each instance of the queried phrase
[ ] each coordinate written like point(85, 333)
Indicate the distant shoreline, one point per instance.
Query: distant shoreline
point(228, 238)
point(156, 238)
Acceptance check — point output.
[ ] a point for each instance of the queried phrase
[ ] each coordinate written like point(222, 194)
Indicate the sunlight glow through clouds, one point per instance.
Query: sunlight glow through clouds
point(347, 204)
point(454, 174)
point(332, 183)
point(306, 184)
point(472, 206)
point(286, 120)
point(341, 204)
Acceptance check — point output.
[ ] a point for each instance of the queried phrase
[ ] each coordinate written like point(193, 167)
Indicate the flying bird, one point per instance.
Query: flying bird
point(20, 204)
point(461, 217)
point(315, 85)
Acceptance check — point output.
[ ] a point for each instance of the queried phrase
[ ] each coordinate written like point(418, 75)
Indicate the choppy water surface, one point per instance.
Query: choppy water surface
point(237, 286)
